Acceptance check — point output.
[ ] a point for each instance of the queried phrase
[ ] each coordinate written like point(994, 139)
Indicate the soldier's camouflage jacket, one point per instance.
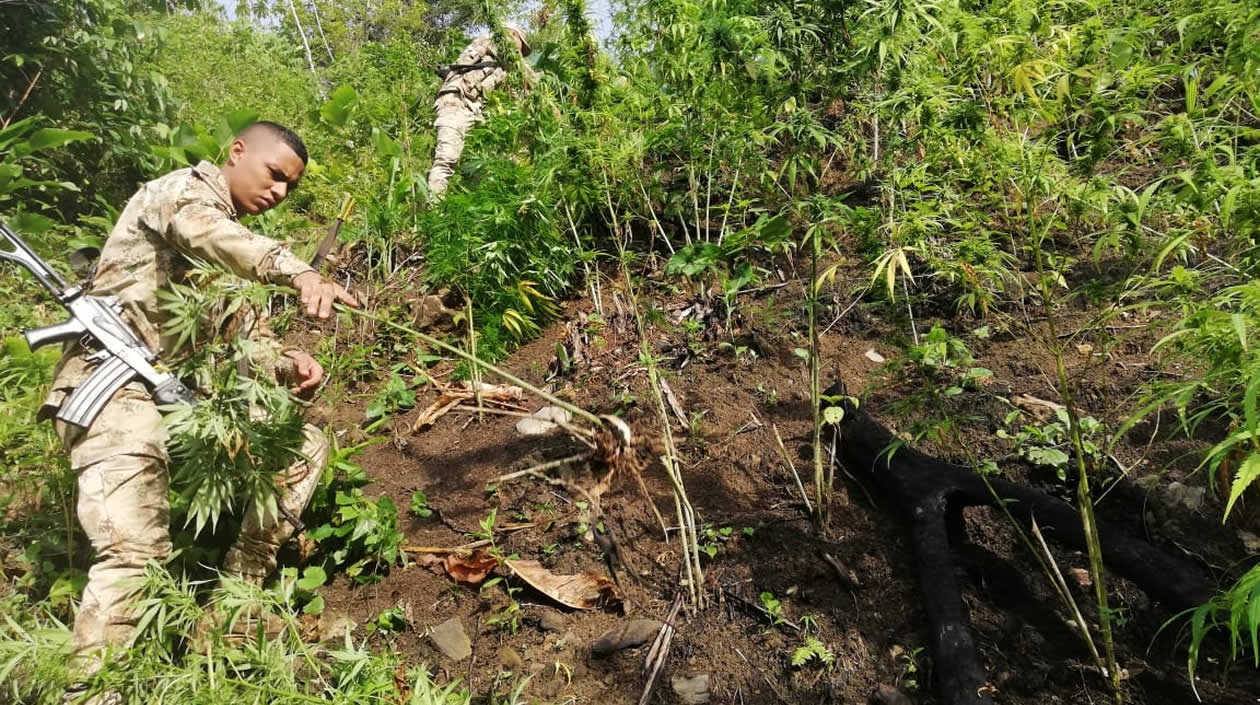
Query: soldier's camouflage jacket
point(185, 215)
point(472, 86)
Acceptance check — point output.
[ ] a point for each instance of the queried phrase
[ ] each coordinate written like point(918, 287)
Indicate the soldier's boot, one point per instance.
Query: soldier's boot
point(79, 694)
point(243, 630)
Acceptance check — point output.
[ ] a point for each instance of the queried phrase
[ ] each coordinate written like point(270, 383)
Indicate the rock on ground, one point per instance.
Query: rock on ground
point(452, 640)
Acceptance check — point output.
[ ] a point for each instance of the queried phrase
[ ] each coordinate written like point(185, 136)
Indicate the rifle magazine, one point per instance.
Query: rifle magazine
point(86, 401)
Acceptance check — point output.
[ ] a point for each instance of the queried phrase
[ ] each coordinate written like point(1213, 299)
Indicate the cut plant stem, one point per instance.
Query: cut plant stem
point(464, 355)
point(474, 369)
point(1038, 233)
point(822, 488)
point(792, 466)
point(687, 534)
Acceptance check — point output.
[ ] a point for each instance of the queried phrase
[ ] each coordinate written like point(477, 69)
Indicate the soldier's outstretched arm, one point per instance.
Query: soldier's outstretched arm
point(207, 232)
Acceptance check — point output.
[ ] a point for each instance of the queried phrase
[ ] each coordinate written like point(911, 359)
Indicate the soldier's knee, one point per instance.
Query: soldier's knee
point(137, 551)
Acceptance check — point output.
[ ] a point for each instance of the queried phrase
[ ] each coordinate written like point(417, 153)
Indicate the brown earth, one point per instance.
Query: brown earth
point(735, 478)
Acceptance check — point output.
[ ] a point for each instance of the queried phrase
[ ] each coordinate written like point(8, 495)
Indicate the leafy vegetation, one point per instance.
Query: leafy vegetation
point(961, 171)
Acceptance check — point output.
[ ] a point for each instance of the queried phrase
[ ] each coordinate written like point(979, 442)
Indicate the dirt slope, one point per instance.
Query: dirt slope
point(736, 479)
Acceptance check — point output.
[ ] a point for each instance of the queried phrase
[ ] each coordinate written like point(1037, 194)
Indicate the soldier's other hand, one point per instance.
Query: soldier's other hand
point(318, 294)
point(307, 373)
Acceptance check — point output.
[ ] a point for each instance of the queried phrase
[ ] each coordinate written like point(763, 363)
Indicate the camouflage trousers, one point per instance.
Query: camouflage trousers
point(453, 120)
point(124, 509)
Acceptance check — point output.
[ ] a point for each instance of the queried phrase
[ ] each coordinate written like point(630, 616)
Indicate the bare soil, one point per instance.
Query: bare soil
point(735, 478)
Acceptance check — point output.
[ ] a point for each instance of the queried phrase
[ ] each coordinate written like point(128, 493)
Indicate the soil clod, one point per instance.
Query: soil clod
point(626, 635)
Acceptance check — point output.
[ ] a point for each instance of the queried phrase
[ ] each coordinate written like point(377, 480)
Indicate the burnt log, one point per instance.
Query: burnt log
point(931, 493)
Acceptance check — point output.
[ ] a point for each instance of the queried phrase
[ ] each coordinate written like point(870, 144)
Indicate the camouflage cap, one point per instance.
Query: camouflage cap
point(520, 33)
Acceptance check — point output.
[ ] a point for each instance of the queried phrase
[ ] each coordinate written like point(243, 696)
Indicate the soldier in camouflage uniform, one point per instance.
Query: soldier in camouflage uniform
point(459, 102)
point(121, 458)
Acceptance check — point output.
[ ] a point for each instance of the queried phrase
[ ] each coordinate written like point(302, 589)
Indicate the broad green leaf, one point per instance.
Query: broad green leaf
point(238, 120)
point(312, 577)
point(32, 223)
point(833, 414)
point(336, 110)
point(49, 138)
point(385, 146)
point(1052, 457)
point(8, 174)
point(315, 606)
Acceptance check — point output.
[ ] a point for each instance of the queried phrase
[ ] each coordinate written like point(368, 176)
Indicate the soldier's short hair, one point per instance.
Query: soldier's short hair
point(280, 132)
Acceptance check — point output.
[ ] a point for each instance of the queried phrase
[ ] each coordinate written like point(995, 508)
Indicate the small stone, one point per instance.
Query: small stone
point(540, 422)
point(887, 695)
point(452, 640)
point(1179, 494)
point(1250, 541)
point(334, 625)
point(567, 640)
point(551, 621)
point(626, 635)
point(692, 689)
point(874, 357)
point(510, 659)
point(1082, 577)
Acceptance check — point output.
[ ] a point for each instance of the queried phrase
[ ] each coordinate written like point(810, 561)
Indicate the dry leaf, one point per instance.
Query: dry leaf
point(470, 569)
point(583, 591)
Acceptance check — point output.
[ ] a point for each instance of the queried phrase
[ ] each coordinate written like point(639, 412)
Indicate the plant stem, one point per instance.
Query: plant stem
point(463, 355)
point(474, 368)
point(687, 534)
point(302, 33)
point(821, 489)
point(1083, 495)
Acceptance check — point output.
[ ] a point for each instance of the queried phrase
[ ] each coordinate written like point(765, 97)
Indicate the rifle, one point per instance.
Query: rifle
point(120, 355)
point(447, 69)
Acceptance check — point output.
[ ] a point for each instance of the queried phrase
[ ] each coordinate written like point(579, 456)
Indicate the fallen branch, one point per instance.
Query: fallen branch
point(931, 494)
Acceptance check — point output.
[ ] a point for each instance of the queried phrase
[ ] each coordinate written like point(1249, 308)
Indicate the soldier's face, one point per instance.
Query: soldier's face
point(261, 172)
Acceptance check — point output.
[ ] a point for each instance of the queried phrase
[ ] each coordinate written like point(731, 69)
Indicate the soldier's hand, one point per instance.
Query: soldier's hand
point(307, 373)
point(318, 294)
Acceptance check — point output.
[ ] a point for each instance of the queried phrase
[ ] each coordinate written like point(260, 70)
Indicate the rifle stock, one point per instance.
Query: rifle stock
point(121, 355)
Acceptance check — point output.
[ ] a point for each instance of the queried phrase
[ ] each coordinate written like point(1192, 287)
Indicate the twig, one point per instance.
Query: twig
point(760, 611)
point(553, 399)
point(779, 440)
point(1078, 331)
point(577, 432)
point(674, 406)
point(660, 650)
point(537, 470)
point(761, 289)
point(26, 94)
point(1061, 586)
point(845, 573)
point(466, 548)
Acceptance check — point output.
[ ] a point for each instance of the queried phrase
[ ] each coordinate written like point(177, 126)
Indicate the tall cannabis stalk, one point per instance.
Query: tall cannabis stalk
point(580, 35)
point(1038, 228)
